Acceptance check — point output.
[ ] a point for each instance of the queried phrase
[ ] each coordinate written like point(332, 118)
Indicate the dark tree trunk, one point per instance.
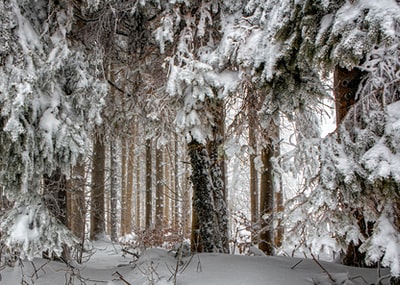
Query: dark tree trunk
point(345, 86)
point(55, 187)
point(217, 172)
point(203, 204)
point(149, 191)
point(268, 189)
point(266, 243)
point(254, 210)
point(97, 209)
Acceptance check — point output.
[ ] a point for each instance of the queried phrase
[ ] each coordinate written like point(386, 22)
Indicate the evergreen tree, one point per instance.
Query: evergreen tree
point(49, 92)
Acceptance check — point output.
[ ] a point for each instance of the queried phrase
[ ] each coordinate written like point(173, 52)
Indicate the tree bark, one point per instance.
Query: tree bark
point(77, 214)
point(97, 210)
point(149, 192)
point(138, 195)
point(267, 190)
point(113, 192)
point(254, 212)
point(203, 222)
point(159, 223)
point(217, 172)
point(208, 223)
point(129, 188)
point(345, 86)
point(124, 194)
point(175, 209)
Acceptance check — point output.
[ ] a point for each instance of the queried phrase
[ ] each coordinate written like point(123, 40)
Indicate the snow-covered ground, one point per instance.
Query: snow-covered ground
point(156, 266)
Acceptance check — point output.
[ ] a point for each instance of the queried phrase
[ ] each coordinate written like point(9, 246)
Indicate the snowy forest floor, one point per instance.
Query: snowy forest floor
point(108, 265)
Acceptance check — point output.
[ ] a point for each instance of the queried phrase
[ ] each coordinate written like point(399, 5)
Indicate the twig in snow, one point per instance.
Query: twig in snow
point(121, 278)
point(297, 263)
point(323, 268)
point(199, 269)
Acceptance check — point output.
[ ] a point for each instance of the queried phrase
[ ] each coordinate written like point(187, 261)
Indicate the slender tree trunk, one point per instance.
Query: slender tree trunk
point(138, 195)
point(124, 190)
point(168, 184)
point(113, 192)
point(159, 223)
point(280, 230)
point(176, 186)
point(97, 211)
point(254, 212)
point(149, 191)
point(129, 190)
point(267, 191)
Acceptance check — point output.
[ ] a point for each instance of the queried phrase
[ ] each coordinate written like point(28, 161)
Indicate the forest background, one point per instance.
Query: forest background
point(201, 120)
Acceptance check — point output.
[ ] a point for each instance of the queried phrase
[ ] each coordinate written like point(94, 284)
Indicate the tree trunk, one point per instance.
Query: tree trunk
point(113, 192)
point(97, 214)
point(138, 195)
point(149, 192)
point(254, 214)
point(159, 223)
point(168, 185)
point(175, 209)
point(267, 190)
point(55, 187)
point(129, 190)
point(217, 171)
point(205, 187)
point(124, 194)
point(77, 214)
point(345, 85)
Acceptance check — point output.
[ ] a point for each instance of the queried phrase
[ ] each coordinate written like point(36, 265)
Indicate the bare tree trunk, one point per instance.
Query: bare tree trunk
point(77, 201)
point(129, 190)
point(168, 185)
point(149, 192)
point(280, 230)
point(159, 223)
point(124, 194)
point(97, 211)
point(267, 190)
point(138, 195)
point(113, 192)
point(175, 209)
point(254, 212)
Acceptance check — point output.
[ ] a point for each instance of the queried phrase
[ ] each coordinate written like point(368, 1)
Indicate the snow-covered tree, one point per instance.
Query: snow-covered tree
point(49, 93)
point(353, 177)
